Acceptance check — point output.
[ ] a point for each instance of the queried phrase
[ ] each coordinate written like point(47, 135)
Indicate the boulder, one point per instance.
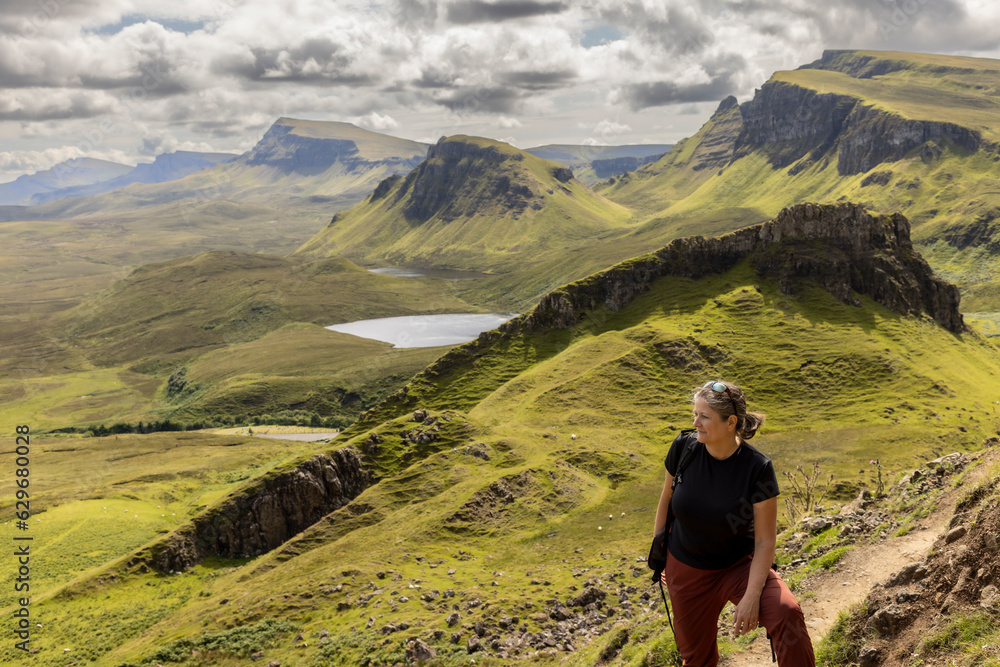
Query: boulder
point(418, 652)
point(956, 533)
point(889, 620)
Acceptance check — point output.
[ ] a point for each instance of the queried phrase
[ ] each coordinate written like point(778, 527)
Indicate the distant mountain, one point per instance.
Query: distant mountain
point(594, 163)
point(309, 146)
point(78, 172)
point(272, 198)
point(166, 167)
point(473, 203)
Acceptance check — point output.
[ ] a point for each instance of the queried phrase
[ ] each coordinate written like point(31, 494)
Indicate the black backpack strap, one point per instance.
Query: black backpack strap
point(686, 455)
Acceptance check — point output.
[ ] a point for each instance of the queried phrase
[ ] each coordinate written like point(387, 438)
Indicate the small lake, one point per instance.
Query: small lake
point(424, 330)
point(445, 274)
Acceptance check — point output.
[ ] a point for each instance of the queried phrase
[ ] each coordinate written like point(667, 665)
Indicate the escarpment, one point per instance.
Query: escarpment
point(265, 515)
point(788, 122)
point(283, 149)
point(460, 178)
point(841, 247)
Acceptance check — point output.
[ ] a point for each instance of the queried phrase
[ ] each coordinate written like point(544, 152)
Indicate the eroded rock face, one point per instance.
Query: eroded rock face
point(789, 122)
point(460, 178)
point(264, 517)
point(841, 247)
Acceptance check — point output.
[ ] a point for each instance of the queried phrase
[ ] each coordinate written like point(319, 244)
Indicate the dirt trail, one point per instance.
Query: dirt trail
point(824, 595)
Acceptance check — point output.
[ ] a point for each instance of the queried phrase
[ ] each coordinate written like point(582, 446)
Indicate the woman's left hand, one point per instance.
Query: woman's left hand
point(747, 615)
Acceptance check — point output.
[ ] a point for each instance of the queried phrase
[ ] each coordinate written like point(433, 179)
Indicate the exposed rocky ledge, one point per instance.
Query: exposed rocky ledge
point(859, 253)
point(265, 515)
point(460, 178)
point(789, 122)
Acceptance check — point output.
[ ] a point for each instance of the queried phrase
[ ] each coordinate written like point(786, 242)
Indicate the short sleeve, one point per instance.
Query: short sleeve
point(766, 484)
point(674, 453)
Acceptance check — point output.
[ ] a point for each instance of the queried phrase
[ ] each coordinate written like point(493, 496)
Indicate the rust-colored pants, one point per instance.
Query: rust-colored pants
point(697, 597)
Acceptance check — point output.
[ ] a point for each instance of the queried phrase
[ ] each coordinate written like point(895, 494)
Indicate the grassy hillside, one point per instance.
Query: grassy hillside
point(370, 145)
point(541, 481)
point(102, 498)
point(475, 204)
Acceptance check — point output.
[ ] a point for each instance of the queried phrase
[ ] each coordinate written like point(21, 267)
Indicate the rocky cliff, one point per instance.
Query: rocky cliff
point(460, 178)
point(841, 247)
point(283, 148)
point(265, 515)
point(788, 121)
point(953, 589)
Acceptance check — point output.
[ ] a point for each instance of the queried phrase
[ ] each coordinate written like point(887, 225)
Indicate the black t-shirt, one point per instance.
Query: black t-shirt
point(713, 503)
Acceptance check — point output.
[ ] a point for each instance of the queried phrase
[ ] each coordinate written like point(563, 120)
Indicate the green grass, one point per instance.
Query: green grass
point(248, 330)
point(94, 500)
point(950, 200)
point(970, 639)
point(842, 644)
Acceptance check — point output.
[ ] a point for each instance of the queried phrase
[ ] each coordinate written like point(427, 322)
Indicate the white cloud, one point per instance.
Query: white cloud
point(376, 121)
point(507, 123)
point(16, 163)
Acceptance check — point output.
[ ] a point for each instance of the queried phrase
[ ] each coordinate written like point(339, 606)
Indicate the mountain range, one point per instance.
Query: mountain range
point(73, 173)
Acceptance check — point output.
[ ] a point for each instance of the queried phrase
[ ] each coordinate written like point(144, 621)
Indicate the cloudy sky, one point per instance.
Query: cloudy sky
point(126, 80)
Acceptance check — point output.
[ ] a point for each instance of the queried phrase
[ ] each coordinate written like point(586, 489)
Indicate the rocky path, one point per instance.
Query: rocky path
point(824, 595)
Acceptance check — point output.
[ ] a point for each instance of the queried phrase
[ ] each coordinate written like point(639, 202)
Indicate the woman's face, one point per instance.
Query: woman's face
point(710, 426)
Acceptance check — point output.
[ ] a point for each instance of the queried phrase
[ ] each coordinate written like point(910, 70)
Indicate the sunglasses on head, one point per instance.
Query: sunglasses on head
point(721, 387)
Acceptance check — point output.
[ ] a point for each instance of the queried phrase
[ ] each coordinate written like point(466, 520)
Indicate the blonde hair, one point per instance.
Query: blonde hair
point(731, 402)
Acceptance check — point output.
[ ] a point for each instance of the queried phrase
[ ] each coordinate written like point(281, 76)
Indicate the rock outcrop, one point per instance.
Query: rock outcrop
point(461, 178)
point(959, 577)
point(265, 515)
point(789, 122)
point(841, 247)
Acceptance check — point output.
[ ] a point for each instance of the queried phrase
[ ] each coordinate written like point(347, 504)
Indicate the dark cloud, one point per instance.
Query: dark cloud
point(315, 60)
point(539, 80)
point(659, 93)
point(414, 12)
point(71, 107)
point(476, 11)
point(679, 32)
point(28, 18)
point(434, 78)
point(155, 77)
point(481, 99)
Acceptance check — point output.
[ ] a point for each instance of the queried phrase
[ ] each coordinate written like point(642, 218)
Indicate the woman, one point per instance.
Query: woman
point(723, 534)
